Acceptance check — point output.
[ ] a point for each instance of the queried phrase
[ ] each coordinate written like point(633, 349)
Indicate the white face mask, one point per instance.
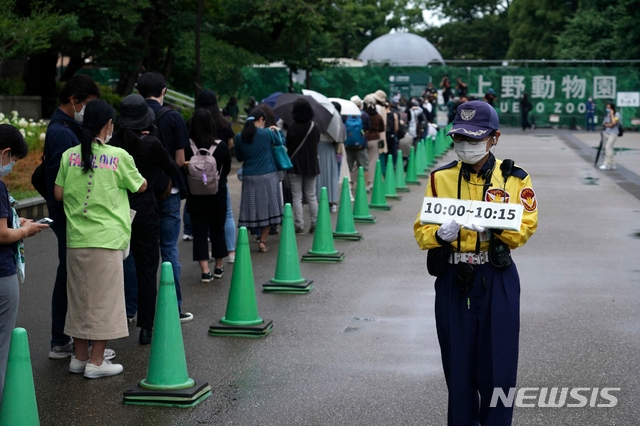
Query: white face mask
point(78, 115)
point(470, 154)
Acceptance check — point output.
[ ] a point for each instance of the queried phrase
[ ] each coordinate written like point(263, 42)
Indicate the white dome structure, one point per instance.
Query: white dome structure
point(401, 49)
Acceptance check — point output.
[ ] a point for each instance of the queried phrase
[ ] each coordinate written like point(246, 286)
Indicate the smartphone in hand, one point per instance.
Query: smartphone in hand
point(45, 220)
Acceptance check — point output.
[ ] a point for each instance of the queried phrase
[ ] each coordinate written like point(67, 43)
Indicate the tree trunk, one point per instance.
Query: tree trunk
point(40, 80)
point(198, 77)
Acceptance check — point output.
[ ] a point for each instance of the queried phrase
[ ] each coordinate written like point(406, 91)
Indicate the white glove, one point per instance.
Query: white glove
point(449, 230)
point(474, 227)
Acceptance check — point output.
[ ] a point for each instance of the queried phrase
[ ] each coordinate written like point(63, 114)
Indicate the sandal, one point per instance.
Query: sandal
point(262, 246)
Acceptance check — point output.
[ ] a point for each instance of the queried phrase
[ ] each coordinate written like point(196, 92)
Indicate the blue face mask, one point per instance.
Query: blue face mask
point(5, 170)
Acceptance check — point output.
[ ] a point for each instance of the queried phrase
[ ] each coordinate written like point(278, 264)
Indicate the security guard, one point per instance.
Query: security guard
point(477, 305)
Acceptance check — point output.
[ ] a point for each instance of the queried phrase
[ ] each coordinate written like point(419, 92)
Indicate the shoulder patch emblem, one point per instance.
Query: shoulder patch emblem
point(528, 199)
point(497, 195)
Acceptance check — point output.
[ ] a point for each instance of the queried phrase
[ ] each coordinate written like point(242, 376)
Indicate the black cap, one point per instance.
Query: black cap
point(207, 98)
point(135, 113)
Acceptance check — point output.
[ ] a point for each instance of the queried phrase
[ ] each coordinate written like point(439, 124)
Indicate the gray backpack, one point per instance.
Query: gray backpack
point(203, 175)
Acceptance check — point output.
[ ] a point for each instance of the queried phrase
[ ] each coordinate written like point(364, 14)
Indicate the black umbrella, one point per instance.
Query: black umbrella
point(284, 107)
point(595, 163)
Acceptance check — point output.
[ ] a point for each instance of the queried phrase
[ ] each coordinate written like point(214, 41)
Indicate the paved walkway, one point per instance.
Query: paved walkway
point(361, 348)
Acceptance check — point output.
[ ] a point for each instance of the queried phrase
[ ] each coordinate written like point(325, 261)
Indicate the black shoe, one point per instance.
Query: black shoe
point(218, 272)
point(145, 336)
point(206, 277)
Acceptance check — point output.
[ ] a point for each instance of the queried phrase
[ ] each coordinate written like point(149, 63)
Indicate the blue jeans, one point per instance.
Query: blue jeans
point(59, 296)
point(169, 232)
point(230, 225)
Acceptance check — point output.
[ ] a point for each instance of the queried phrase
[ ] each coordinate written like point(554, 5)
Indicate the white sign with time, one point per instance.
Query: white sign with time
point(465, 212)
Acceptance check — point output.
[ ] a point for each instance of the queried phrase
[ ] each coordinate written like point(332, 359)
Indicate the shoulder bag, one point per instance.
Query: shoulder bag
point(279, 151)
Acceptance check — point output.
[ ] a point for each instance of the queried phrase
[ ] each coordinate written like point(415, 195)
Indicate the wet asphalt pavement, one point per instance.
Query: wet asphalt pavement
point(361, 348)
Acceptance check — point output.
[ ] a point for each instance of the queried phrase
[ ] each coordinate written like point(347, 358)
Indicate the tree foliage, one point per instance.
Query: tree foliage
point(131, 36)
point(32, 29)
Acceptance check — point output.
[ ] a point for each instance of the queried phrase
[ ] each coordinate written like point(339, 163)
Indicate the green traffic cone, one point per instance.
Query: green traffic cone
point(361, 207)
point(345, 227)
point(429, 157)
point(420, 163)
point(167, 382)
point(378, 200)
point(19, 406)
point(439, 143)
point(390, 180)
point(412, 175)
point(241, 318)
point(401, 185)
point(287, 278)
point(323, 249)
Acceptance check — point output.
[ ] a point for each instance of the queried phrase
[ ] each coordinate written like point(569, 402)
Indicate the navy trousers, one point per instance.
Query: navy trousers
point(478, 333)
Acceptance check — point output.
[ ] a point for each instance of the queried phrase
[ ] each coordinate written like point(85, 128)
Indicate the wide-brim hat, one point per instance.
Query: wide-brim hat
point(135, 113)
point(356, 100)
point(475, 119)
point(380, 96)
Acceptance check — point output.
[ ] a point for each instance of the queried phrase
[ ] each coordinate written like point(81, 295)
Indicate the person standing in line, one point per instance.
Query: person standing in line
point(261, 199)
point(611, 124)
point(380, 98)
point(477, 289)
point(13, 230)
point(461, 88)
point(64, 131)
point(525, 108)
point(590, 110)
point(208, 99)
point(490, 97)
point(172, 132)
point(209, 212)
point(303, 137)
point(92, 183)
point(149, 155)
point(373, 135)
point(445, 85)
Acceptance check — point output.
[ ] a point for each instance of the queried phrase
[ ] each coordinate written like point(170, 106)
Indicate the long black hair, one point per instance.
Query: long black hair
point(96, 115)
point(208, 99)
point(203, 128)
point(250, 124)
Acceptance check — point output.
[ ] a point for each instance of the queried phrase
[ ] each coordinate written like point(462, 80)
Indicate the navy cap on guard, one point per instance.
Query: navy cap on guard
point(135, 113)
point(475, 119)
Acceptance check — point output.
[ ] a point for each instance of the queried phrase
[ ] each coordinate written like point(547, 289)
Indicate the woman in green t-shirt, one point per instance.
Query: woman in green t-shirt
point(92, 184)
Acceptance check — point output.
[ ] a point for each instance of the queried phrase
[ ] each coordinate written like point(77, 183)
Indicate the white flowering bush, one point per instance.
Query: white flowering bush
point(32, 131)
point(19, 180)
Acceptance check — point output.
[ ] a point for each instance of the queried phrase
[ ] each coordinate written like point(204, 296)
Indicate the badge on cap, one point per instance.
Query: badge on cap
point(467, 114)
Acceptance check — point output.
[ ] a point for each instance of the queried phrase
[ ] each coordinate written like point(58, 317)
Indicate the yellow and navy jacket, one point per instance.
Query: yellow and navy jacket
point(443, 183)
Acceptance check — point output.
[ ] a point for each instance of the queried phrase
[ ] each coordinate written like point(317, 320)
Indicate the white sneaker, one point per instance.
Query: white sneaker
point(76, 366)
point(61, 352)
point(109, 354)
point(605, 167)
point(107, 369)
point(186, 317)
point(187, 237)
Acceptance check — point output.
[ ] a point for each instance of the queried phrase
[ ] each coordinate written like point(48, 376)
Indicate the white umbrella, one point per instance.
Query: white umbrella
point(336, 127)
point(348, 107)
